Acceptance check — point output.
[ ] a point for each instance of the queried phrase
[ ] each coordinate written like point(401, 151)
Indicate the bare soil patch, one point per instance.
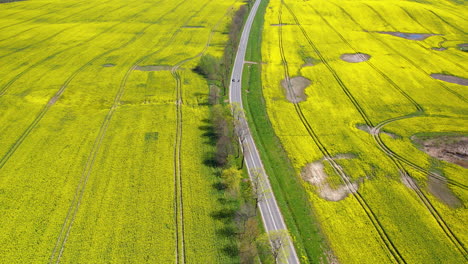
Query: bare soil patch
point(284, 24)
point(440, 190)
point(463, 47)
point(10, 1)
point(192, 26)
point(439, 49)
point(355, 57)
point(410, 36)
point(450, 148)
point(153, 68)
point(295, 91)
point(370, 130)
point(450, 78)
point(108, 65)
point(315, 174)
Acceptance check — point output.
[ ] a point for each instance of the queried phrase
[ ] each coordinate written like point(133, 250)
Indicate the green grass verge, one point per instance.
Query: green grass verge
point(288, 190)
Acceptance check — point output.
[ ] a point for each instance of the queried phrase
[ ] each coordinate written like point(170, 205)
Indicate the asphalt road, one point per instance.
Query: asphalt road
point(269, 210)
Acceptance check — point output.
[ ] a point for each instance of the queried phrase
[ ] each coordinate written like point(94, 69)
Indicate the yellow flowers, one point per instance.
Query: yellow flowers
point(394, 83)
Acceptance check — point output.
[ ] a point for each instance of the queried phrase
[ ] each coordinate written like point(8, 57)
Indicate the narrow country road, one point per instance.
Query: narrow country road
point(270, 212)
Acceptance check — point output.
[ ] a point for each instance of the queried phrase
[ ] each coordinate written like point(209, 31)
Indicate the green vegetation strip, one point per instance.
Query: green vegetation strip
point(289, 192)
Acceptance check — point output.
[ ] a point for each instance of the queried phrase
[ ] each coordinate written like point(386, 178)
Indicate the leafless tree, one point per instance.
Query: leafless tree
point(257, 187)
point(277, 243)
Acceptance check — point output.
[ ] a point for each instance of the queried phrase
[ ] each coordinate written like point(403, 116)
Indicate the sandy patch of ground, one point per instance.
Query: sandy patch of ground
point(284, 24)
point(463, 47)
point(450, 148)
point(440, 190)
point(450, 78)
point(370, 130)
point(355, 57)
point(295, 92)
point(153, 68)
point(192, 26)
point(410, 36)
point(315, 174)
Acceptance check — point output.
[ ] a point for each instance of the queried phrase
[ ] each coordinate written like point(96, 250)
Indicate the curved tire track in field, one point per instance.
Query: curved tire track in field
point(392, 251)
point(396, 159)
point(73, 209)
point(418, 112)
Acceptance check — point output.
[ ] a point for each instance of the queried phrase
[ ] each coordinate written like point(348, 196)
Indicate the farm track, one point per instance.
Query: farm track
point(38, 42)
point(400, 54)
point(178, 179)
point(4, 89)
point(396, 159)
point(52, 101)
point(34, 18)
point(62, 19)
point(414, 42)
point(417, 106)
point(73, 209)
point(392, 251)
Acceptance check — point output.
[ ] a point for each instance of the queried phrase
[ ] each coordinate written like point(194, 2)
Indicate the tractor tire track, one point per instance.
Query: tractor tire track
point(35, 18)
point(38, 42)
point(379, 126)
point(415, 42)
point(403, 56)
point(397, 161)
point(4, 89)
point(73, 209)
point(62, 19)
point(392, 252)
point(178, 184)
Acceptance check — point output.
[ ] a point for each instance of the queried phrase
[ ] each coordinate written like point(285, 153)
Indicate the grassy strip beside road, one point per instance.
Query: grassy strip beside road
point(288, 190)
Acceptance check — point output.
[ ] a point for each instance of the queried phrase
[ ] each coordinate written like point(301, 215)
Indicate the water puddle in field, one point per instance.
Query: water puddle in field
point(10, 1)
point(295, 91)
point(108, 65)
point(192, 26)
point(463, 47)
point(410, 36)
point(450, 78)
point(355, 57)
point(315, 174)
point(284, 24)
point(368, 129)
point(153, 68)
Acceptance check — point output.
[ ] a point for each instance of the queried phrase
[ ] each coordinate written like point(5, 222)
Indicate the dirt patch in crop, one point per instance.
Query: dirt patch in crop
point(370, 130)
point(440, 190)
point(192, 27)
point(315, 174)
point(463, 47)
point(10, 1)
point(284, 24)
point(295, 89)
point(153, 68)
point(410, 36)
point(108, 65)
point(450, 78)
point(450, 148)
point(355, 57)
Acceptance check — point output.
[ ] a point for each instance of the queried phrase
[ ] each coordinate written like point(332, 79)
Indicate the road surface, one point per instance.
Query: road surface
point(269, 210)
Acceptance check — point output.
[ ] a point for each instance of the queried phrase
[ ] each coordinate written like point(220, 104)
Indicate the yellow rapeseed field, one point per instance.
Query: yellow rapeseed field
point(91, 109)
point(370, 111)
